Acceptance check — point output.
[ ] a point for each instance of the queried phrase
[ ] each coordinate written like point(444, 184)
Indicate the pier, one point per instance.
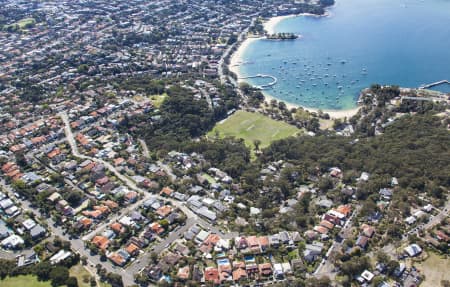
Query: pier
point(434, 84)
point(262, 87)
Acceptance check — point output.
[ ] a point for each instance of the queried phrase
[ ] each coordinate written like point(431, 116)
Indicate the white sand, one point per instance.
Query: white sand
point(270, 25)
point(334, 114)
point(236, 58)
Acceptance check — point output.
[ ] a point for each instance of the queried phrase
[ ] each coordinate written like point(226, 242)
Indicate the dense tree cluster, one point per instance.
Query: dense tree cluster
point(415, 150)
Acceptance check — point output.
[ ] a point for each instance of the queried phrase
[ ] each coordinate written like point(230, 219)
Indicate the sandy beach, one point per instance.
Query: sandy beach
point(236, 58)
point(270, 25)
point(334, 114)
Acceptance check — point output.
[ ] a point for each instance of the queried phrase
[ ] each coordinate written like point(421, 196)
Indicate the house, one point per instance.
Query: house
point(183, 273)
point(54, 196)
point(386, 193)
point(29, 224)
point(364, 177)
point(297, 264)
point(154, 273)
point(132, 249)
point(320, 229)
point(12, 242)
point(166, 191)
point(131, 197)
point(413, 250)
point(274, 240)
point(287, 268)
point(37, 231)
point(253, 244)
point(181, 249)
point(241, 242)
point(4, 230)
point(428, 208)
point(367, 276)
point(326, 224)
point(239, 274)
point(211, 274)
point(410, 220)
point(201, 237)
point(367, 230)
point(117, 259)
point(60, 256)
point(164, 211)
point(263, 243)
point(362, 241)
point(312, 251)
point(208, 214)
point(284, 237)
point(101, 242)
point(400, 269)
point(278, 271)
point(265, 269)
point(156, 228)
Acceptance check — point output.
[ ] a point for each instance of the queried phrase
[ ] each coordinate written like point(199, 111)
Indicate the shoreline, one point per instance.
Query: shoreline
point(334, 114)
point(270, 24)
point(236, 60)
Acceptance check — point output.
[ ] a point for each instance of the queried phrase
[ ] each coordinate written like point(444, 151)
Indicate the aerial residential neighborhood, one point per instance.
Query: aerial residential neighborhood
point(117, 167)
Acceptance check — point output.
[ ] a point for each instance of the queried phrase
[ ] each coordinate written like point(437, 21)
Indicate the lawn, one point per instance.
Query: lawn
point(157, 100)
point(83, 276)
point(254, 126)
point(435, 268)
point(24, 280)
point(24, 22)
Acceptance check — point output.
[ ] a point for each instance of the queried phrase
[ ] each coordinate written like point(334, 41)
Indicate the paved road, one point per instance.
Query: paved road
point(325, 267)
point(77, 245)
point(435, 220)
point(123, 212)
point(241, 38)
point(144, 146)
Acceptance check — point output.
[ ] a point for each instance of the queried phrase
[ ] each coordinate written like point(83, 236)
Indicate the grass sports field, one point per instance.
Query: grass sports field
point(28, 281)
point(253, 126)
point(435, 268)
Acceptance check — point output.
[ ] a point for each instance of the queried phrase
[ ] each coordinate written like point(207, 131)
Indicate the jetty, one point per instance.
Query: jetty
point(265, 86)
point(434, 84)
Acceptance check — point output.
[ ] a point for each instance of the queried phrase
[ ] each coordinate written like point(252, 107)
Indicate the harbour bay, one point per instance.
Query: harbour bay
point(357, 44)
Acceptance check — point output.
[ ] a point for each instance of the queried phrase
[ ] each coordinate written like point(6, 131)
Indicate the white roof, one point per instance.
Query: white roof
point(61, 255)
point(286, 267)
point(277, 267)
point(413, 250)
point(29, 224)
point(202, 235)
point(410, 220)
point(367, 275)
point(336, 214)
point(12, 241)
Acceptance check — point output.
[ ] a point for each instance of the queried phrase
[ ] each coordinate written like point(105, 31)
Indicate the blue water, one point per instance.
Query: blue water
point(360, 43)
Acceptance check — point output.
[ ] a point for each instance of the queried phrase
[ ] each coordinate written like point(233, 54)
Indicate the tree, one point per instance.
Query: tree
point(114, 279)
point(59, 275)
point(256, 143)
point(72, 282)
point(74, 198)
point(92, 281)
point(42, 270)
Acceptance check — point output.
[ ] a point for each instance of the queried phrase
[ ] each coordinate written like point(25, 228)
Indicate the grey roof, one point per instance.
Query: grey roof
point(37, 231)
point(205, 212)
point(4, 231)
